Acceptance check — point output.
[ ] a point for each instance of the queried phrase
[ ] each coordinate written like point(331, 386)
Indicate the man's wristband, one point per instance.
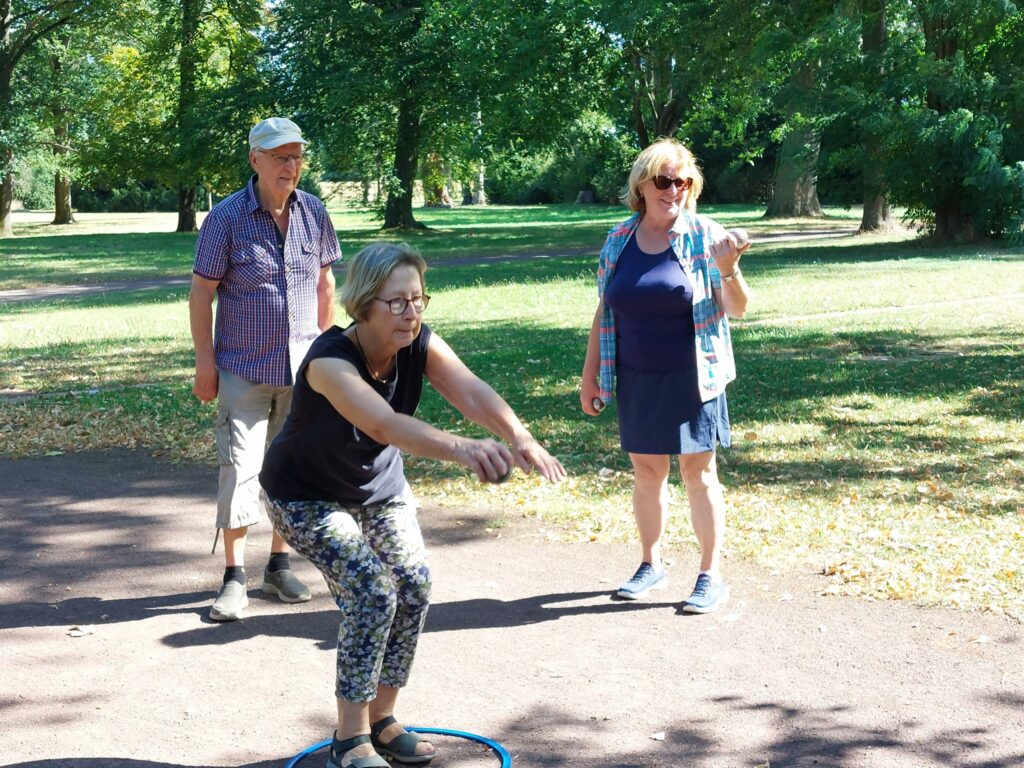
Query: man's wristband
point(733, 276)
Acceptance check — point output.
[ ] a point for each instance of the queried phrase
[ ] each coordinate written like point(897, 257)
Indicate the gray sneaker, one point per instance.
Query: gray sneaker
point(286, 585)
point(231, 602)
point(643, 581)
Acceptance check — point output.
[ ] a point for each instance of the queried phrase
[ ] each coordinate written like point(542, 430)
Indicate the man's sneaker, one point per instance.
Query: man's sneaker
point(708, 594)
point(644, 580)
point(286, 585)
point(231, 602)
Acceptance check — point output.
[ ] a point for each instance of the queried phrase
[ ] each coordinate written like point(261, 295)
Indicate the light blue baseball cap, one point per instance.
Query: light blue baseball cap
point(275, 132)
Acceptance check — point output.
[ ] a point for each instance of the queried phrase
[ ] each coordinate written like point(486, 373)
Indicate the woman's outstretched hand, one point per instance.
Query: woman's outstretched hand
point(492, 462)
point(529, 453)
point(489, 460)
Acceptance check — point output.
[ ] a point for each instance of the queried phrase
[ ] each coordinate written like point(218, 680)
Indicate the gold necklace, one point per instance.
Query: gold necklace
point(362, 354)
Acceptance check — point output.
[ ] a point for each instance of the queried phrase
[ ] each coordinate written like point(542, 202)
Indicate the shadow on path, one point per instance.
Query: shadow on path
point(322, 626)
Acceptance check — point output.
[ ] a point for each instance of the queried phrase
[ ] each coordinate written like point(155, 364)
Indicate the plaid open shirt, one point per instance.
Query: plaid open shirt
point(691, 238)
point(266, 297)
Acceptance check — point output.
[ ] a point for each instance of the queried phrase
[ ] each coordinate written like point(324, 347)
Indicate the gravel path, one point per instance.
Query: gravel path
point(523, 644)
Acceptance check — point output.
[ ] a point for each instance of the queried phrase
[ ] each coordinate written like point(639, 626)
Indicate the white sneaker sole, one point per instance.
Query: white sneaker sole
point(217, 615)
point(663, 584)
point(270, 589)
point(688, 608)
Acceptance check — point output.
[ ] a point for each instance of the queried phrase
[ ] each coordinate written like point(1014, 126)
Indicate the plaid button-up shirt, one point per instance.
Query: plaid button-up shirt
point(266, 297)
point(691, 239)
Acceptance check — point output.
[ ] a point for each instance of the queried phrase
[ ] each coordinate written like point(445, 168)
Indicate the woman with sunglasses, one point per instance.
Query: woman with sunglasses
point(335, 487)
point(667, 277)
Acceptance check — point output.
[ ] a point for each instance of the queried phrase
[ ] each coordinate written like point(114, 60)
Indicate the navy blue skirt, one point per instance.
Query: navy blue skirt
point(662, 413)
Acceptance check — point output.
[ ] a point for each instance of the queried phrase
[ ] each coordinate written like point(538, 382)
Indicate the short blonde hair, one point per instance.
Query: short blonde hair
point(649, 164)
point(370, 269)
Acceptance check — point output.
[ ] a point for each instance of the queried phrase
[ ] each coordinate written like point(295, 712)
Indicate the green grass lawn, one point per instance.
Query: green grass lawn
point(878, 417)
point(147, 246)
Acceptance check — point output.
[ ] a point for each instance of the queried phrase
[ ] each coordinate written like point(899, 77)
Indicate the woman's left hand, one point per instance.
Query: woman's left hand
point(726, 253)
point(528, 453)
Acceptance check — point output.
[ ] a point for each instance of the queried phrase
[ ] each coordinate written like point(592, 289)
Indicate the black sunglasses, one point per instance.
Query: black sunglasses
point(664, 182)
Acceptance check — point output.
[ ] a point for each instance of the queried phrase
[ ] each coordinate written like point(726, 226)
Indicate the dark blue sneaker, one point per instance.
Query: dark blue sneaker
point(707, 595)
point(644, 580)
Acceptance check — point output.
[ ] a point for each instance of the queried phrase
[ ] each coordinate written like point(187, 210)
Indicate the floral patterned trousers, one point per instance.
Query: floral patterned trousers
point(374, 563)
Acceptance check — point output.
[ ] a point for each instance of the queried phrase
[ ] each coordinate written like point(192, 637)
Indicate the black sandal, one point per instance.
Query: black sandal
point(402, 748)
point(339, 748)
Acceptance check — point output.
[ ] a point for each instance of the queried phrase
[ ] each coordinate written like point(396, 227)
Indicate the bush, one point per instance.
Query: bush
point(518, 178)
point(957, 166)
point(33, 185)
point(589, 156)
point(137, 199)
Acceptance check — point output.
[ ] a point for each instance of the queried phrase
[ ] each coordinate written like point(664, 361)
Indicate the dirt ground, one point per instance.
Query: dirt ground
point(523, 644)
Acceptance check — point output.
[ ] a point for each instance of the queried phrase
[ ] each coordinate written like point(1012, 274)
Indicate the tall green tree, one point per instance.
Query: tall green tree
point(176, 97)
point(24, 26)
point(62, 70)
point(388, 81)
point(877, 214)
point(802, 42)
point(367, 73)
point(955, 154)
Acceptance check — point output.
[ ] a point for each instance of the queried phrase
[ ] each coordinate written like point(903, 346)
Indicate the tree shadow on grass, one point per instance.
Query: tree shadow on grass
point(91, 368)
point(770, 259)
point(782, 372)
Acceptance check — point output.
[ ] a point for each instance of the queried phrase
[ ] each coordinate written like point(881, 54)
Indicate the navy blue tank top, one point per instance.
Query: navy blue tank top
point(652, 301)
point(319, 455)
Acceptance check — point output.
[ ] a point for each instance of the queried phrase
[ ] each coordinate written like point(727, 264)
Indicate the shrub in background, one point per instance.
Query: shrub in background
point(33, 183)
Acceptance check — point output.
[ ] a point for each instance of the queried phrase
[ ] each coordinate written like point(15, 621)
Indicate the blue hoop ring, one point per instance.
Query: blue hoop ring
point(498, 749)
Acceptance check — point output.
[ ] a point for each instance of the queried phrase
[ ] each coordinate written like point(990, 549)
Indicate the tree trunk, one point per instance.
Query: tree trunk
point(795, 191)
point(186, 209)
point(479, 196)
point(63, 213)
point(6, 192)
point(398, 213)
point(642, 136)
point(876, 216)
point(191, 11)
point(6, 150)
point(61, 148)
point(952, 222)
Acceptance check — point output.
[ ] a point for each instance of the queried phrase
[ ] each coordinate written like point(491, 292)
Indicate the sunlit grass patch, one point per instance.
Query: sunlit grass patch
point(878, 416)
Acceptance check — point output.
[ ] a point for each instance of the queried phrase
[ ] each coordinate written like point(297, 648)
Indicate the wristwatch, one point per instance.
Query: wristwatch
point(733, 276)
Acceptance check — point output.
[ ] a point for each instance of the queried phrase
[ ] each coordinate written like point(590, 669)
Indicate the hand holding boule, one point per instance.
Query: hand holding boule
point(503, 478)
point(741, 237)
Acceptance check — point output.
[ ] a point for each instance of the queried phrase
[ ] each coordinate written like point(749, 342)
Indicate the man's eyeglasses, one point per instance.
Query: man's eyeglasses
point(664, 182)
point(281, 160)
point(398, 306)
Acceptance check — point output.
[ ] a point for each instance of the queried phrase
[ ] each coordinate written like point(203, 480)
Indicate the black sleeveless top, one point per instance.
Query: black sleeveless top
point(319, 455)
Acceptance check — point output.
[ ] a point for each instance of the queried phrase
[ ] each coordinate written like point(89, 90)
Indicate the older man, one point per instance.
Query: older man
point(265, 252)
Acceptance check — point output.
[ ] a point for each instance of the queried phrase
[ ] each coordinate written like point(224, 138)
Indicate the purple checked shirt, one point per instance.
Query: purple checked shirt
point(266, 298)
